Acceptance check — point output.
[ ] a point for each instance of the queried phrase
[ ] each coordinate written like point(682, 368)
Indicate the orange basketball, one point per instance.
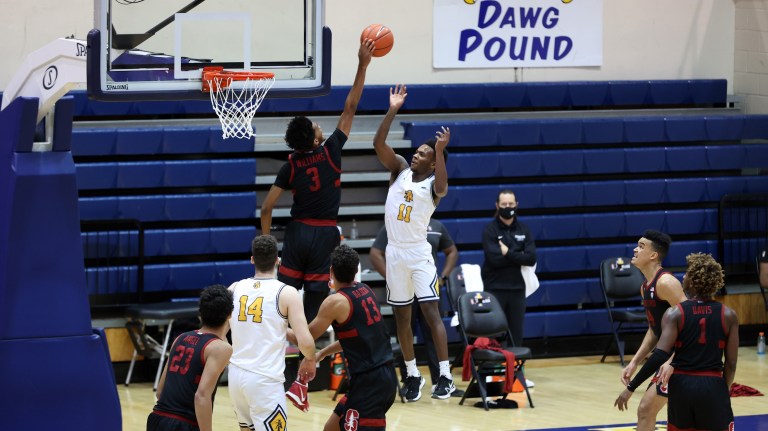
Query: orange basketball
point(382, 37)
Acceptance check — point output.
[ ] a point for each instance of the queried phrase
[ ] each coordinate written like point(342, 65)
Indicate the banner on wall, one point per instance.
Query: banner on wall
point(517, 33)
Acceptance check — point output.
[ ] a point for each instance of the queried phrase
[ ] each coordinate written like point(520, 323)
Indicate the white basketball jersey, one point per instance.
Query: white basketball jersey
point(258, 328)
point(408, 209)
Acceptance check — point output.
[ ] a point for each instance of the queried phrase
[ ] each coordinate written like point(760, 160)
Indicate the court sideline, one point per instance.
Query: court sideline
point(571, 394)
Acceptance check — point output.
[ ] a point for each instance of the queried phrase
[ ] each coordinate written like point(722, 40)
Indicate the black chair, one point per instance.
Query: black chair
point(455, 287)
point(621, 281)
point(481, 315)
point(762, 288)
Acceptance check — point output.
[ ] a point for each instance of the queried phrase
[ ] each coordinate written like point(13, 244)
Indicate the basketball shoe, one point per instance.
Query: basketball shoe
point(412, 388)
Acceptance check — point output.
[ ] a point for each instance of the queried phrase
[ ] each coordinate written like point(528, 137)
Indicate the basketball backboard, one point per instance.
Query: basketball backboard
point(156, 49)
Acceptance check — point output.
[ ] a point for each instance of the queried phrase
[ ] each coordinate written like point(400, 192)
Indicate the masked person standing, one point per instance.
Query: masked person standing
point(508, 246)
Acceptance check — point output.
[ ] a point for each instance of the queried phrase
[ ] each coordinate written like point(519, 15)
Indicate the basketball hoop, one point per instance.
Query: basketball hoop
point(236, 106)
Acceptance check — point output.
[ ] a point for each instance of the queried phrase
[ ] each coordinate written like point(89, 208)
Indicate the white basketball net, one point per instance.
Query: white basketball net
point(237, 106)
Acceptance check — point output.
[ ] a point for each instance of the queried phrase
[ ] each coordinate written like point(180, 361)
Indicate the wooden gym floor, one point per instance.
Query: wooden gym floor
point(570, 393)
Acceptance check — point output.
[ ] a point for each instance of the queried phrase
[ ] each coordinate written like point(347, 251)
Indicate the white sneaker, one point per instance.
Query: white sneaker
point(529, 383)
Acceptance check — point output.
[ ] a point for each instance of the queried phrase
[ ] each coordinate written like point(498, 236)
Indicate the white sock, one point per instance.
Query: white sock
point(411, 368)
point(445, 369)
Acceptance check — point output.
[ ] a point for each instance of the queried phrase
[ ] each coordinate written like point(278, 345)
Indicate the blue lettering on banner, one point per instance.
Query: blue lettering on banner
point(492, 14)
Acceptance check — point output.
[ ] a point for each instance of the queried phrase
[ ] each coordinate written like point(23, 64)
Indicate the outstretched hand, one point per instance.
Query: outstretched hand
point(365, 53)
point(397, 96)
point(443, 136)
point(623, 399)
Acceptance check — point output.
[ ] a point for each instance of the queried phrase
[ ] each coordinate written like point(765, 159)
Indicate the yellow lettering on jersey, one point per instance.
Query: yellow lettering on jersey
point(254, 309)
point(408, 196)
point(277, 420)
point(404, 213)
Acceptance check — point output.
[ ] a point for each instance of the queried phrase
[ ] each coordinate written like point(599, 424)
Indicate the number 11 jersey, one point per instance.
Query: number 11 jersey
point(408, 209)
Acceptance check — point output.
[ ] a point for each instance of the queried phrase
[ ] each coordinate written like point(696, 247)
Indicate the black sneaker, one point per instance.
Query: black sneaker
point(443, 389)
point(412, 388)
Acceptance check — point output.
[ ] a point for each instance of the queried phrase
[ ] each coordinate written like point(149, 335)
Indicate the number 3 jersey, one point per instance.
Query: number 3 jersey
point(185, 368)
point(408, 209)
point(363, 336)
point(258, 328)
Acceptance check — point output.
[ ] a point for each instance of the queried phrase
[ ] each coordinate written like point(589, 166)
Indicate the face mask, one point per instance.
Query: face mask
point(507, 212)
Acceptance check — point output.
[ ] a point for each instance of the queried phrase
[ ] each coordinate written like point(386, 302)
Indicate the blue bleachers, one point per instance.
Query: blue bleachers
point(577, 131)
point(145, 208)
point(602, 193)
point(169, 242)
point(186, 173)
point(606, 161)
point(154, 140)
point(608, 94)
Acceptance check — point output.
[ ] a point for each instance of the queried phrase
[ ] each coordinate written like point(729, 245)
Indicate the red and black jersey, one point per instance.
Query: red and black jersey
point(701, 337)
point(362, 335)
point(314, 177)
point(654, 307)
point(185, 368)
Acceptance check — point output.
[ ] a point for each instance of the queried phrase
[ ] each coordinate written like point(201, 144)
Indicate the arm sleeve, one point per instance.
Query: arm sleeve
point(653, 363)
point(335, 143)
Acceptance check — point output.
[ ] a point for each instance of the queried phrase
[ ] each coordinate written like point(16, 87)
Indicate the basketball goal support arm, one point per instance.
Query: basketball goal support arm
point(48, 74)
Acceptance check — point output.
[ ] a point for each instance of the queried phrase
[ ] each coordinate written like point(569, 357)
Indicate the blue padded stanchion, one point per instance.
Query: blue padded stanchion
point(52, 362)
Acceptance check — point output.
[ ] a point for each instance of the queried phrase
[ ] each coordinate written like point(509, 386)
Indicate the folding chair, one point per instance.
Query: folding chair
point(456, 286)
point(160, 314)
point(621, 281)
point(481, 315)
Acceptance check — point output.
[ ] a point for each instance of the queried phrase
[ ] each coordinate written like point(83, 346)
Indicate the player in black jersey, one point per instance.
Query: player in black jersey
point(187, 386)
point(313, 174)
point(659, 291)
point(354, 313)
point(701, 330)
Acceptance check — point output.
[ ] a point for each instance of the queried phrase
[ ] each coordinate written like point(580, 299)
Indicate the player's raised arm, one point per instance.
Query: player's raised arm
point(266, 209)
point(394, 163)
point(364, 55)
point(440, 185)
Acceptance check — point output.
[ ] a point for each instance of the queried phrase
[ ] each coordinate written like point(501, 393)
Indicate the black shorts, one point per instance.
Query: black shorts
point(700, 402)
point(370, 396)
point(306, 256)
point(157, 422)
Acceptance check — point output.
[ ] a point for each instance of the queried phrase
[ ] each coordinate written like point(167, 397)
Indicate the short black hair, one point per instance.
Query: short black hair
point(660, 242)
point(216, 305)
point(431, 144)
point(344, 262)
point(300, 134)
point(264, 252)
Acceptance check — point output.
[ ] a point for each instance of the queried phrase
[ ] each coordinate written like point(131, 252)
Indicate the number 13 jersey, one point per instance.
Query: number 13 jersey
point(258, 328)
point(408, 209)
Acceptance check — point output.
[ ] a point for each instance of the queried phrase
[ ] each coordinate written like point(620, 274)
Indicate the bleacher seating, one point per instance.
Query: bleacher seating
point(457, 97)
point(588, 184)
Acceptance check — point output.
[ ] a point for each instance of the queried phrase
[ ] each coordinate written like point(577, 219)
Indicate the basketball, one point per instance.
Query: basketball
point(382, 37)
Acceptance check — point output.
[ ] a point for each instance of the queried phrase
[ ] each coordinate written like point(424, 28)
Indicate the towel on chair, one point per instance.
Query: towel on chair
point(489, 344)
point(473, 279)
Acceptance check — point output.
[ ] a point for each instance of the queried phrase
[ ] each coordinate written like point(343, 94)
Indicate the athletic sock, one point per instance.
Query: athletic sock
point(411, 368)
point(445, 369)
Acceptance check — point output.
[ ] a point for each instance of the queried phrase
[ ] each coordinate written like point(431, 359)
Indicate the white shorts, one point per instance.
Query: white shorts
point(411, 272)
point(259, 402)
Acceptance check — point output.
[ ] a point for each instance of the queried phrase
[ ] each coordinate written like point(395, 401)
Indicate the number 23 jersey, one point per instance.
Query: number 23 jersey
point(258, 328)
point(409, 207)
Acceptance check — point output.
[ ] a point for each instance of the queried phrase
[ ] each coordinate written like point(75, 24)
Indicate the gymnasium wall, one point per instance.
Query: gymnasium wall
point(751, 55)
point(648, 39)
